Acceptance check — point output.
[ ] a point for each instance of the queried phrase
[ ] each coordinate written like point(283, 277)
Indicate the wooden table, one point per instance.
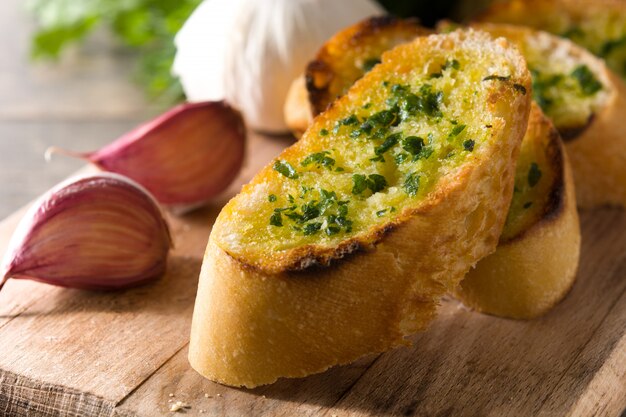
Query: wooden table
point(81, 102)
point(68, 352)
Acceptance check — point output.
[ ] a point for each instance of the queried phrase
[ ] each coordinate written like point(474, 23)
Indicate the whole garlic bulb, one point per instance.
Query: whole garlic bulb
point(248, 52)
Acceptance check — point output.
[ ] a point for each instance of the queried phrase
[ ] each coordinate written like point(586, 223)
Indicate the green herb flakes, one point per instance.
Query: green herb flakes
point(320, 159)
point(271, 198)
point(456, 131)
point(373, 182)
point(412, 184)
point(451, 63)
point(311, 228)
point(588, 83)
point(286, 169)
point(534, 174)
point(276, 219)
point(389, 143)
point(468, 145)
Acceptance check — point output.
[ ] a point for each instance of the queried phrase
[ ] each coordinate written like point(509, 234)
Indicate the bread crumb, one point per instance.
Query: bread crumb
point(206, 395)
point(219, 395)
point(179, 406)
point(171, 394)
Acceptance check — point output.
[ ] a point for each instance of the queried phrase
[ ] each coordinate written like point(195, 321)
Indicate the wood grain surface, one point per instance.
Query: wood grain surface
point(70, 352)
point(81, 102)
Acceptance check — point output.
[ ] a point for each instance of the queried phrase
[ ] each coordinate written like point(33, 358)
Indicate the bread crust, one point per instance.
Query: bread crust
point(254, 325)
point(338, 64)
point(512, 282)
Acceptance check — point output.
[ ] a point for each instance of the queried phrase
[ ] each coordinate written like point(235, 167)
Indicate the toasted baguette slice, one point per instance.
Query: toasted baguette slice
point(597, 25)
point(337, 249)
point(536, 260)
point(341, 61)
point(511, 282)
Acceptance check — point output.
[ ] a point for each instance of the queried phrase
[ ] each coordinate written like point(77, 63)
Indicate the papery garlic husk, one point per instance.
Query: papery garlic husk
point(184, 157)
point(94, 232)
point(249, 51)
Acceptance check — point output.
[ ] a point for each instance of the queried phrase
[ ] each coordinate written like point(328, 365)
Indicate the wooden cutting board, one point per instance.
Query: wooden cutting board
point(79, 353)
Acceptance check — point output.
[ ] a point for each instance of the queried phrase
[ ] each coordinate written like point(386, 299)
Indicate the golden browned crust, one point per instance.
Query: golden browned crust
point(252, 326)
point(339, 63)
point(532, 271)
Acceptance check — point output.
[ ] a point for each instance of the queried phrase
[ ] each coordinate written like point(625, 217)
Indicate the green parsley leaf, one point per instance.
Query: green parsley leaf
point(413, 145)
point(456, 131)
point(276, 219)
point(534, 174)
point(453, 63)
point(271, 198)
point(376, 183)
point(311, 228)
point(319, 159)
point(587, 81)
point(389, 143)
point(360, 183)
point(412, 184)
point(286, 169)
point(468, 145)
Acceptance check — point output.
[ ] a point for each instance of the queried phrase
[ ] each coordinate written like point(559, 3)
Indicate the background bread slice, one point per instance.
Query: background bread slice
point(589, 123)
point(342, 60)
point(258, 318)
point(597, 25)
point(536, 260)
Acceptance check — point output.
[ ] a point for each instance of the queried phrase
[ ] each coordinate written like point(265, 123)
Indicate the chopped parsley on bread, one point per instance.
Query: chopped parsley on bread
point(511, 282)
point(346, 242)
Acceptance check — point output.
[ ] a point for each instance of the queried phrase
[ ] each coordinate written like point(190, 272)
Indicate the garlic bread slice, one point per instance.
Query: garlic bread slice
point(536, 260)
point(587, 104)
point(597, 25)
point(346, 242)
point(512, 282)
point(342, 60)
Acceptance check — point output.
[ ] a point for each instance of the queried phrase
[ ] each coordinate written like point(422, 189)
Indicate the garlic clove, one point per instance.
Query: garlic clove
point(249, 51)
point(97, 232)
point(184, 157)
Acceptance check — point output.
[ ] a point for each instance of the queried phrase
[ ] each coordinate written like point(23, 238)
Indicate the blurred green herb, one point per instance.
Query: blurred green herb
point(146, 27)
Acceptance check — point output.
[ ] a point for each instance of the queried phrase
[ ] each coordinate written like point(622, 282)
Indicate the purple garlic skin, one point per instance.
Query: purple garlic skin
point(97, 232)
point(184, 157)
